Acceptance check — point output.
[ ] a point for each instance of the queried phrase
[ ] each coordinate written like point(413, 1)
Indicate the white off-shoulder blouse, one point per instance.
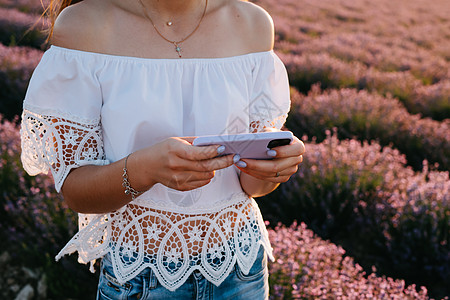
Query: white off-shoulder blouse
point(85, 108)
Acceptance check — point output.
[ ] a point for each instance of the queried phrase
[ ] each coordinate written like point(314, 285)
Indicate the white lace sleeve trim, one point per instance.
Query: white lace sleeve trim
point(57, 141)
point(259, 125)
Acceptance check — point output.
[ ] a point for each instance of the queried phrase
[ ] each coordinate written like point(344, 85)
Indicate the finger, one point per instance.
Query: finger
point(206, 165)
point(279, 179)
point(269, 166)
point(200, 152)
point(295, 148)
point(183, 180)
point(213, 164)
point(198, 176)
point(264, 175)
point(188, 139)
point(181, 147)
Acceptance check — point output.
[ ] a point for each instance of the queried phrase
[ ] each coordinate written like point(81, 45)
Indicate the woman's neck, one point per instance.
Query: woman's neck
point(174, 8)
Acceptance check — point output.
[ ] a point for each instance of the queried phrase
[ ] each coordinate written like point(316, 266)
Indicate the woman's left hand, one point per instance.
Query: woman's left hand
point(281, 168)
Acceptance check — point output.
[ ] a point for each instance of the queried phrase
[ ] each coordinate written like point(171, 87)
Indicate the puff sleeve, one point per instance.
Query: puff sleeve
point(270, 98)
point(61, 127)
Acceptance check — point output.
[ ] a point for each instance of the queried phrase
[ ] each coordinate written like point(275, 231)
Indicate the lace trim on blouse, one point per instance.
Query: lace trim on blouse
point(173, 245)
point(53, 141)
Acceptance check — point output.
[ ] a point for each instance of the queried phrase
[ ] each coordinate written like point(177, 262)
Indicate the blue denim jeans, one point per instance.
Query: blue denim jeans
point(145, 285)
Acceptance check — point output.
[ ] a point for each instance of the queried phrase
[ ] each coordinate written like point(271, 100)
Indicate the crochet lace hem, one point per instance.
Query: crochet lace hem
point(173, 245)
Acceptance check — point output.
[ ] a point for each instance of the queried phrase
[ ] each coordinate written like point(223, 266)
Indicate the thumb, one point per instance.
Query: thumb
point(189, 139)
point(200, 152)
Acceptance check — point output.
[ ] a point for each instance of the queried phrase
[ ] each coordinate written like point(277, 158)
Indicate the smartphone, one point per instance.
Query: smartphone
point(247, 145)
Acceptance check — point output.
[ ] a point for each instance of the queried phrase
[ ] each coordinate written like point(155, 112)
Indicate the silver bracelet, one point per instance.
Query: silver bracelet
point(126, 184)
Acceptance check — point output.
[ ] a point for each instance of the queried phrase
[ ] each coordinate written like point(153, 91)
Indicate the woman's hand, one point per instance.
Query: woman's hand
point(281, 168)
point(177, 164)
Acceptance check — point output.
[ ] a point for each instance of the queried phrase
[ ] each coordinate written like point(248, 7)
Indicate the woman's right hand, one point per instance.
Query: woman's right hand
point(173, 162)
point(177, 164)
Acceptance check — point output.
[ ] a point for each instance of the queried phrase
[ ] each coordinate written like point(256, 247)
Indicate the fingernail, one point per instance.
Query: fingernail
point(236, 158)
point(220, 149)
point(272, 153)
point(241, 164)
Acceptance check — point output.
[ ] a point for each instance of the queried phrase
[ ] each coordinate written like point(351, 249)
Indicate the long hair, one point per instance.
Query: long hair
point(53, 10)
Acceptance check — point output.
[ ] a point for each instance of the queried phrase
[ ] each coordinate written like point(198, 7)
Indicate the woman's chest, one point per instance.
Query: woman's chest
point(143, 110)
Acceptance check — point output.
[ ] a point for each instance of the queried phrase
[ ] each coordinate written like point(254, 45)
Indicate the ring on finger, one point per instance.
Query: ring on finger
point(278, 174)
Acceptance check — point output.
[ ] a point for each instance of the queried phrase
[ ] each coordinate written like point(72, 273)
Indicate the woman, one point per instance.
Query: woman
point(112, 109)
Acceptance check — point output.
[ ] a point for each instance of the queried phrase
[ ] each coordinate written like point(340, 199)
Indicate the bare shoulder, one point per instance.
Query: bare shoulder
point(78, 25)
point(256, 23)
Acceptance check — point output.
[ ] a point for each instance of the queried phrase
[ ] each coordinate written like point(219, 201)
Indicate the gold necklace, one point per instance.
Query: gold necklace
point(175, 43)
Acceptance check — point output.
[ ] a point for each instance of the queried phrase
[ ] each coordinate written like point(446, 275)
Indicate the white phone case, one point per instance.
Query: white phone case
point(247, 145)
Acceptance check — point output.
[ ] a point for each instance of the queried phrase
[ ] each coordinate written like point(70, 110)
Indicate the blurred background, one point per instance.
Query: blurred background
point(367, 216)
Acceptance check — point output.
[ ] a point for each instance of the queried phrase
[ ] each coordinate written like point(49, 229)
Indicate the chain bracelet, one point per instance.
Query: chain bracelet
point(126, 184)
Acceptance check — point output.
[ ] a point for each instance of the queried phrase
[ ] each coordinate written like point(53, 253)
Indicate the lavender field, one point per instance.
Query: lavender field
point(368, 214)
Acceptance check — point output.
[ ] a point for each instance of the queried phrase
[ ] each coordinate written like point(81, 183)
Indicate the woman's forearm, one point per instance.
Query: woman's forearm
point(173, 162)
point(255, 187)
point(98, 189)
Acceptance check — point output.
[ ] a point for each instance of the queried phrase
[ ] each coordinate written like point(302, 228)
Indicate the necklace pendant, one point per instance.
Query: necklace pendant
point(169, 23)
point(178, 49)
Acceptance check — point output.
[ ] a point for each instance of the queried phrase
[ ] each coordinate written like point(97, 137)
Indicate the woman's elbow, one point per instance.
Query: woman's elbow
point(71, 201)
